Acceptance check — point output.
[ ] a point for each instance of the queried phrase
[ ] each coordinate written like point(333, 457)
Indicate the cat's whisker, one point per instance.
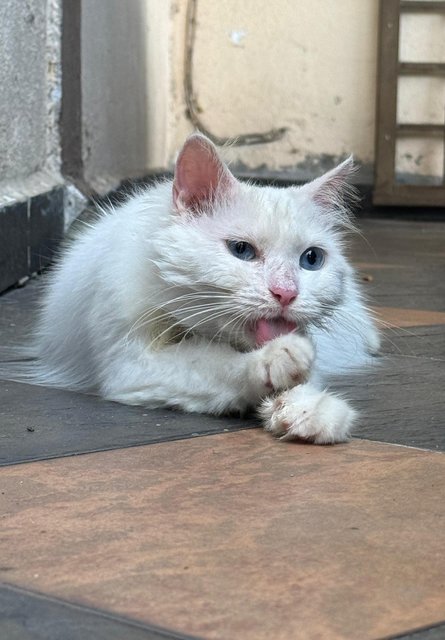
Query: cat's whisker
point(145, 317)
point(238, 327)
point(205, 320)
point(180, 323)
point(198, 293)
point(373, 314)
point(356, 329)
point(196, 287)
point(240, 316)
point(147, 321)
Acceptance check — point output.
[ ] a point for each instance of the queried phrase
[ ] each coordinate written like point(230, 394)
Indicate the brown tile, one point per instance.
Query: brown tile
point(236, 536)
point(376, 265)
point(395, 317)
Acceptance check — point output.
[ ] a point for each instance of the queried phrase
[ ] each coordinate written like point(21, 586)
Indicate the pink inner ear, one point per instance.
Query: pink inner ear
point(200, 176)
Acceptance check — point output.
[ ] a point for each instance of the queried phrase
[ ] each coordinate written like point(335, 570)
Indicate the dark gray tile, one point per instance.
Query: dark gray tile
point(409, 287)
point(38, 423)
point(46, 228)
point(25, 615)
point(13, 244)
point(17, 312)
point(401, 243)
point(30, 233)
point(415, 341)
point(401, 401)
point(436, 632)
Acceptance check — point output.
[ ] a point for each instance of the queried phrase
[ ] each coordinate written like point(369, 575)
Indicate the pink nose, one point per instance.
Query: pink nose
point(284, 296)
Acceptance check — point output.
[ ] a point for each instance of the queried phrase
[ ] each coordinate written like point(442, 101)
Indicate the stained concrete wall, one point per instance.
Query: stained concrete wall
point(29, 98)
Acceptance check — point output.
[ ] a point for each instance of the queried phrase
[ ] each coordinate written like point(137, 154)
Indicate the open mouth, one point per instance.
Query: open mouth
point(266, 329)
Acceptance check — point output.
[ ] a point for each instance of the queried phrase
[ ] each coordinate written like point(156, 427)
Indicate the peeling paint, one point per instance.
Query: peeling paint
point(418, 160)
point(311, 167)
point(406, 177)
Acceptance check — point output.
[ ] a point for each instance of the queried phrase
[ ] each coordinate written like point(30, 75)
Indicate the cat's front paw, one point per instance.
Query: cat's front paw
point(283, 362)
point(304, 413)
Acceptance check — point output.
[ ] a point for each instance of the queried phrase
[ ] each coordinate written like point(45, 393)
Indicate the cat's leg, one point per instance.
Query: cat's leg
point(199, 376)
point(306, 413)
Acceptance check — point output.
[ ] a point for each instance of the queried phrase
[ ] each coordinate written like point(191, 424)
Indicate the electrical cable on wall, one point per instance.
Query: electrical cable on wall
point(192, 109)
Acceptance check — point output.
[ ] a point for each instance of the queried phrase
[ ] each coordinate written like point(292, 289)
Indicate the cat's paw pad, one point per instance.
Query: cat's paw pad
point(284, 362)
point(304, 413)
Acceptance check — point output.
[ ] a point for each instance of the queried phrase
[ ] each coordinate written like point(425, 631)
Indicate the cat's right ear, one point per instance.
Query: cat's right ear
point(200, 176)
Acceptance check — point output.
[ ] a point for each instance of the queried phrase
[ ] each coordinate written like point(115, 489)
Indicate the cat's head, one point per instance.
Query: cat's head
point(247, 263)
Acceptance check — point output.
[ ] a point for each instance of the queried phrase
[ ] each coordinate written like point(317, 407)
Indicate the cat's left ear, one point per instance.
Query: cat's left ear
point(332, 190)
point(200, 176)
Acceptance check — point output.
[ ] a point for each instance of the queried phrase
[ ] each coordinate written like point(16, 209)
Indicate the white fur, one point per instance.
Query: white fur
point(282, 363)
point(305, 413)
point(149, 307)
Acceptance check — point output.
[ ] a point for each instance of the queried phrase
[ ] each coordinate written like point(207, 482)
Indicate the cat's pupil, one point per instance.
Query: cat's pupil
point(311, 257)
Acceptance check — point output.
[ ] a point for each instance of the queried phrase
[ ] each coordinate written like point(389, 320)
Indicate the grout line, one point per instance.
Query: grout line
point(102, 613)
point(397, 444)
point(417, 631)
point(187, 436)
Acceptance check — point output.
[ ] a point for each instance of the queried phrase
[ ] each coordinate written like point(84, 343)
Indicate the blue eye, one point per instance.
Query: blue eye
point(242, 250)
point(312, 259)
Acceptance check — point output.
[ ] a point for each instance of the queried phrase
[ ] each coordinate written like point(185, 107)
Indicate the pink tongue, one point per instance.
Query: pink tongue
point(266, 330)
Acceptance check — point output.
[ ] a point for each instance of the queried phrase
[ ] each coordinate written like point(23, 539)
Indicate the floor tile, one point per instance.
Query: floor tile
point(25, 615)
point(396, 317)
point(236, 536)
point(38, 423)
point(427, 342)
point(400, 401)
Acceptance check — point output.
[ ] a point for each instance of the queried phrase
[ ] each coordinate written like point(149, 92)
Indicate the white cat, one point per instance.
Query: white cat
point(211, 295)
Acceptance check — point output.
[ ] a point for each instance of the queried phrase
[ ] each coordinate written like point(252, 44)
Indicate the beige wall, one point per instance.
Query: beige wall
point(307, 65)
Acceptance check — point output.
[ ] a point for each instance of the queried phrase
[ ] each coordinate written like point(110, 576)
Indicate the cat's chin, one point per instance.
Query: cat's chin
point(266, 329)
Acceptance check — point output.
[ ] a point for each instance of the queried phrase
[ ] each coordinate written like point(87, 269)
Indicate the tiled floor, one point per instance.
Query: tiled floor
point(232, 534)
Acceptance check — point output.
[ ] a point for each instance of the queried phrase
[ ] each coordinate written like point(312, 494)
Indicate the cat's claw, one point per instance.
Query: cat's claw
point(283, 362)
point(304, 413)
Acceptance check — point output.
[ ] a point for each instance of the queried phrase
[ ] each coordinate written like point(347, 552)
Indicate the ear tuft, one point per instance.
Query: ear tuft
point(200, 176)
point(332, 190)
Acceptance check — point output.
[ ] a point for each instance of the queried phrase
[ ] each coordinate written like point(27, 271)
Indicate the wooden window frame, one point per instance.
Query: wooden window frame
point(387, 191)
